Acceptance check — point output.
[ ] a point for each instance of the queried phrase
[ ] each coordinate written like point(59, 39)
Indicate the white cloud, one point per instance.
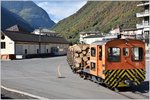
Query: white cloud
point(58, 10)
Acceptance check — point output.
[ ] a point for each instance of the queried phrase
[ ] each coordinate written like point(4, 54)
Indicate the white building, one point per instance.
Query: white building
point(44, 31)
point(115, 31)
point(85, 34)
point(145, 25)
point(131, 33)
point(15, 43)
point(92, 38)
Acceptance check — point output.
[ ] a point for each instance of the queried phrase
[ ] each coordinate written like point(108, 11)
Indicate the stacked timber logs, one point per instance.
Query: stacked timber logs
point(78, 56)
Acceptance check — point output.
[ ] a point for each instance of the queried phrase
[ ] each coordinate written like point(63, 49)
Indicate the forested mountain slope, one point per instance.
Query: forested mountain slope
point(100, 16)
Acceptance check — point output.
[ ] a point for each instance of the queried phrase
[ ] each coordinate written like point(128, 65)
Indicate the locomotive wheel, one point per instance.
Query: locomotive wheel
point(81, 75)
point(84, 76)
point(74, 71)
point(89, 77)
point(100, 80)
point(116, 89)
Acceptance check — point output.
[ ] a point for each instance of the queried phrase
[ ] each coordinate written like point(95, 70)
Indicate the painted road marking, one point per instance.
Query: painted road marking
point(58, 69)
point(24, 93)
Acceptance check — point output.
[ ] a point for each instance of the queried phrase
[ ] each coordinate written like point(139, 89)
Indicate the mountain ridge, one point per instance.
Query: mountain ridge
point(7, 21)
point(30, 12)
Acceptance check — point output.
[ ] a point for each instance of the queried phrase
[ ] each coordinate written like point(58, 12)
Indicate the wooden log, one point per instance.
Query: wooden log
point(76, 55)
point(85, 58)
point(77, 49)
point(78, 60)
point(81, 55)
point(88, 54)
point(77, 65)
point(88, 62)
point(85, 47)
point(84, 52)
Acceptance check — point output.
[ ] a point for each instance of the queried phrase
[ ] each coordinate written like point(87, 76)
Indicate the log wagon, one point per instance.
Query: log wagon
point(115, 63)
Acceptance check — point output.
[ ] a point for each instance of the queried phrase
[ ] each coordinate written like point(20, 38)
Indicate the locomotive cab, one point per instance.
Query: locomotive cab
point(118, 62)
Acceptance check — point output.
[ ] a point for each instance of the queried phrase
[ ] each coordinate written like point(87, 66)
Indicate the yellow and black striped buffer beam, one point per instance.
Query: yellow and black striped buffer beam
point(114, 78)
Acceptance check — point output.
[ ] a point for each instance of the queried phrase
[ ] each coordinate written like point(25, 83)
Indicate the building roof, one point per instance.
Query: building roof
point(144, 3)
point(94, 36)
point(44, 30)
point(130, 29)
point(24, 37)
point(100, 42)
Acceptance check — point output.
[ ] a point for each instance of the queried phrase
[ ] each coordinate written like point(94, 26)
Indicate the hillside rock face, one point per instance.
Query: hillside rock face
point(30, 12)
point(99, 16)
point(9, 19)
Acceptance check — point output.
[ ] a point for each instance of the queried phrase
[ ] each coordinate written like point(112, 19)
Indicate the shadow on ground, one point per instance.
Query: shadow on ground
point(143, 88)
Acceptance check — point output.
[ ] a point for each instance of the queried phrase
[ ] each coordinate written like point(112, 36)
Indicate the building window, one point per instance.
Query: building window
point(113, 54)
point(3, 45)
point(93, 66)
point(2, 37)
point(25, 51)
point(93, 52)
point(125, 51)
point(137, 54)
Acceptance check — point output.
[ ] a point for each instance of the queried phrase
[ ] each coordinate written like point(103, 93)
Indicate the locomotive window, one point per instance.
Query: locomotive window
point(125, 51)
point(100, 53)
point(93, 52)
point(137, 54)
point(93, 66)
point(113, 54)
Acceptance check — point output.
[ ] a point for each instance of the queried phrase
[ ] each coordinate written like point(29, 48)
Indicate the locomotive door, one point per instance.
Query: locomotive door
point(99, 60)
point(94, 60)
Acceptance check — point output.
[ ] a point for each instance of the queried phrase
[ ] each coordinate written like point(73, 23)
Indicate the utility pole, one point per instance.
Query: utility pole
point(40, 40)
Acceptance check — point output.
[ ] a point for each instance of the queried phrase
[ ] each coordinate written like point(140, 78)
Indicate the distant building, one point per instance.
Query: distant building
point(85, 34)
point(44, 31)
point(14, 42)
point(145, 25)
point(115, 31)
point(131, 33)
point(92, 38)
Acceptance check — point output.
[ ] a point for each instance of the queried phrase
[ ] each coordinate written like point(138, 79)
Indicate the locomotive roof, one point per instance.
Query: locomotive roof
point(105, 41)
point(100, 42)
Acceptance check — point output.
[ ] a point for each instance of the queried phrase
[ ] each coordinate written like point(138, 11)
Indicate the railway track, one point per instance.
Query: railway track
point(131, 95)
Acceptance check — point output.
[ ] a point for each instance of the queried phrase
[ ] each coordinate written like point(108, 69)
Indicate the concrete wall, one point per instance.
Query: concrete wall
point(31, 48)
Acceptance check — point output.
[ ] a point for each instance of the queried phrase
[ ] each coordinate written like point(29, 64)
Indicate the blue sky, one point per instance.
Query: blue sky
point(60, 9)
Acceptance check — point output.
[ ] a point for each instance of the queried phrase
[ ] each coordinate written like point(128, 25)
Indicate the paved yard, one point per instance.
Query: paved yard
point(39, 76)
